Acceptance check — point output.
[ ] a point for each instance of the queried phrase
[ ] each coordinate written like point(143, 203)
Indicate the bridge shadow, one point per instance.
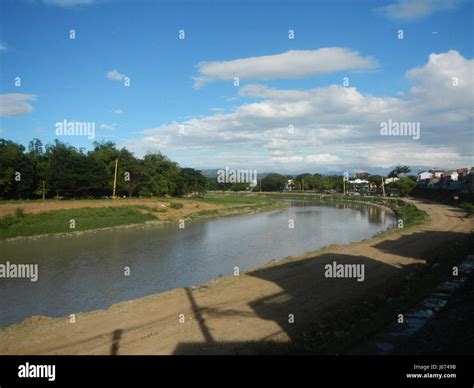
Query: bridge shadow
point(304, 305)
point(308, 301)
point(410, 246)
point(307, 308)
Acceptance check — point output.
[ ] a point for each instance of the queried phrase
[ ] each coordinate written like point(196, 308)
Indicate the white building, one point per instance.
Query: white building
point(453, 175)
point(290, 185)
point(424, 175)
point(438, 172)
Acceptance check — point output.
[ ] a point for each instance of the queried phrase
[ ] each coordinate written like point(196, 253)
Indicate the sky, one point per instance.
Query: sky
point(285, 86)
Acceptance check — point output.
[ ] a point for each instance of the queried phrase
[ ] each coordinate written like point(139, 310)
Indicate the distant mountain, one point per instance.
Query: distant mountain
point(212, 173)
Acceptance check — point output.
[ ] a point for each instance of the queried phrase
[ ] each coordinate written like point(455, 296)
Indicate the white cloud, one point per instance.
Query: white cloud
point(118, 111)
point(115, 75)
point(3, 47)
point(108, 126)
point(291, 64)
point(334, 126)
point(409, 10)
point(15, 104)
point(68, 3)
point(322, 158)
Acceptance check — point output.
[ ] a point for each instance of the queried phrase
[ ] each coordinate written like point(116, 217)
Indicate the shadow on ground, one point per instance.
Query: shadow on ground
point(311, 298)
point(306, 303)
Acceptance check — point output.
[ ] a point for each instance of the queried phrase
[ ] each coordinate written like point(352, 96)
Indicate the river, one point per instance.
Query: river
point(88, 271)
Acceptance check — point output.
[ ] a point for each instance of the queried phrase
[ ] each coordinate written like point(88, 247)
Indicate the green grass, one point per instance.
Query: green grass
point(409, 213)
point(468, 207)
point(232, 199)
point(58, 221)
point(235, 204)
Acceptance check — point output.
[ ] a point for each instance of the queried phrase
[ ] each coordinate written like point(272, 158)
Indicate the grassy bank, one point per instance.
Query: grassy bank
point(60, 221)
point(235, 204)
point(403, 210)
point(108, 213)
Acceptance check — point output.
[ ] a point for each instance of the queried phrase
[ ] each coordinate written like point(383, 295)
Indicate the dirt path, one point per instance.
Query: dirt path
point(249, 313)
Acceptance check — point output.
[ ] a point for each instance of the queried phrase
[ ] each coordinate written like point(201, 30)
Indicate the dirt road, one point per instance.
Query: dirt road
point(260, 311)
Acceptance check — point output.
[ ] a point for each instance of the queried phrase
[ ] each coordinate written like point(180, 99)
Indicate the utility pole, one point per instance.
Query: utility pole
point(43, 192)
point(383, 186)
point(302, 184)
point(115, 178)
point(343, 185)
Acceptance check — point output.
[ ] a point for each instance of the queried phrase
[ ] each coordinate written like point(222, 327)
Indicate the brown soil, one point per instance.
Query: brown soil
point(189, 206)
point(249, 313)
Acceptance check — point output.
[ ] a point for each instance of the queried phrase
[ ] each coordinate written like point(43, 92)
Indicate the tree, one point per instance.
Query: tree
point(191, 181)
point(161, 175)
point(399, 170)
point(273, 182)
point(16, 171)
point(405, 186)
point(62, 170)
point(130, 173)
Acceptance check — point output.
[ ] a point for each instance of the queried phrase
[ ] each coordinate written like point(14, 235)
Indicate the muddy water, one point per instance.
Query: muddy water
point(88, 272)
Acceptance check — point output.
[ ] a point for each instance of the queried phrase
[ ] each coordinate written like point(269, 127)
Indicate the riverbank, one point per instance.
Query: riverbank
point(287, 306)
point(404, 210)
point(35, 219)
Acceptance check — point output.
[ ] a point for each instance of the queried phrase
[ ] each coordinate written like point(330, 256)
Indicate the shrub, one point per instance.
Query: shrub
point(468, 208)
point(19, 212)
point(176, 205)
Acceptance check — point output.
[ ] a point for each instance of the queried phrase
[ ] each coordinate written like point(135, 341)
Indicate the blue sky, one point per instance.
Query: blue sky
point(212, 124)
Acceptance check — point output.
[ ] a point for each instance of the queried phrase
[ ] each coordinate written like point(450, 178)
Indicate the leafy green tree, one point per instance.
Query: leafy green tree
point(405, 186)
point(399, 170)
point(16, 171)
point(191, 181)
point(273, 182)
point(61, 170)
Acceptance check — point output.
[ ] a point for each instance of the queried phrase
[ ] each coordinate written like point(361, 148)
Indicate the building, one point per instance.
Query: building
point(424, 175)
point(290, 185)
point(359, 185)
point(362, 175)
point(451, 176)
point(437, 172)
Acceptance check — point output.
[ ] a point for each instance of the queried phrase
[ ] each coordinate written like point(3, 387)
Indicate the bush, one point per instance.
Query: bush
point(468, 208)
point(176, 205)
point(19, 212)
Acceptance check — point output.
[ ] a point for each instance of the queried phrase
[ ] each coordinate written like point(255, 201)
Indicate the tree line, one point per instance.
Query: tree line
point(61, 170)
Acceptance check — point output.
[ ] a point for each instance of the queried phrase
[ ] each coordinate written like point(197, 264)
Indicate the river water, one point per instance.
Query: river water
point(87, 272)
